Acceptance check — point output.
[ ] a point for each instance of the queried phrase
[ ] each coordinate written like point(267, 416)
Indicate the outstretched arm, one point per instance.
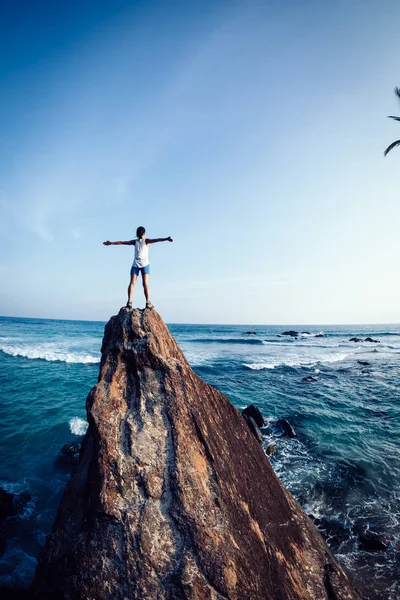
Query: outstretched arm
point(131, 243)
point(155, 240)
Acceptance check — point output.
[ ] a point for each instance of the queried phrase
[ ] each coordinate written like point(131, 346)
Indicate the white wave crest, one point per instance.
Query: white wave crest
point(297, 344)
point(78, 426)
point(260, 366)
point(49, 353)
point(296, 363)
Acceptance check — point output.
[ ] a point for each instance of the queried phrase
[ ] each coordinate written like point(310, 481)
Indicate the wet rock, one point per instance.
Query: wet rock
point(286, 427)
point(369, 339)
point(249, 333)
point(270, 449)
point(253, 411)
point(320, 335)
point(310, 378)
point(291, 333)
point(165, 503)
point(7, 508)
point(71, 451)
point(356, 339)
point(373, 541)
point(254, 428)
point(364, 363)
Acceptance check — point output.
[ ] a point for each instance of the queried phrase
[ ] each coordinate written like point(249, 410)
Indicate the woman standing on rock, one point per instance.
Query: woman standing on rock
point(140, 262)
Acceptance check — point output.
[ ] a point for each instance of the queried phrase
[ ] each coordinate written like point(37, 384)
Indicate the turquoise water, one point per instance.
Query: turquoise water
point(343, 466)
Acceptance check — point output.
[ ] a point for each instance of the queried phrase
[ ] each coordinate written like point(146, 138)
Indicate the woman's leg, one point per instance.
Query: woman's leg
point(131, 286)
point(145, 281)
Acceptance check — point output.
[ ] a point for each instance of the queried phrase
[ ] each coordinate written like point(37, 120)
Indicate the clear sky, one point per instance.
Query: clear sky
point(252, 132)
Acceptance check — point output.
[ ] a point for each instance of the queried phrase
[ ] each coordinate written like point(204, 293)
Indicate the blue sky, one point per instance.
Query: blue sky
point(251, 132)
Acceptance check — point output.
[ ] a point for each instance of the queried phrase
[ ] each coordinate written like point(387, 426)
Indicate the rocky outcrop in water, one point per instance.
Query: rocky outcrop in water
point(173, 497)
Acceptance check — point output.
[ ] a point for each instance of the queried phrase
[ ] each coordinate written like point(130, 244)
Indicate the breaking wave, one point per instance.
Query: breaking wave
point(259, 366)
point(245, 341)
point(49, 353)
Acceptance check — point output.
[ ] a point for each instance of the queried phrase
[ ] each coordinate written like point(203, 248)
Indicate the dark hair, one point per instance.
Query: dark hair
point(140, 231)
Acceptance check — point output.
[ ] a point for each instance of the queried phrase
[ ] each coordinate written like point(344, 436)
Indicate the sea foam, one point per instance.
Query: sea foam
point(78, 426)
point(48, 353)
point(296, 363)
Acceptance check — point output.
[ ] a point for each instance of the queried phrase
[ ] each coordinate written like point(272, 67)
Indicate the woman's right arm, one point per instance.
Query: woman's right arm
point(108, 243)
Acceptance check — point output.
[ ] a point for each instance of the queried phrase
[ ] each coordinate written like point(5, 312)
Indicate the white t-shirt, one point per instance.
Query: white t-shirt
point(141, 258)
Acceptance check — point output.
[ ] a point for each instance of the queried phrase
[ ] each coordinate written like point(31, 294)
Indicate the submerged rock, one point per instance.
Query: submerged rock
point(253, 411)
point(310, 378)
point(249, 333)
point(291, 333)
point(369, 339)
point(7, 508)
point(373, 541)
point(320, 335)
point(173, 498)
point(364, 363)
point(71, 450)
point(356, 339)
point(286, 427)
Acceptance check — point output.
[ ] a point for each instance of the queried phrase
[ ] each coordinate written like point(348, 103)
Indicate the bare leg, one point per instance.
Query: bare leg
point(131, 286)
point(145, 281)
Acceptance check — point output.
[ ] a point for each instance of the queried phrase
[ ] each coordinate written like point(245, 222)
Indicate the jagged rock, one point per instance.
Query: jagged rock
point(356, 339)
point(373, 541)
point(270, 449)
point(286, 427)
point(173, 498)
point(291, 333)
point(310, 378)
point(253, 411)
point(369, 339)
point(253, 428)
point(7, 507)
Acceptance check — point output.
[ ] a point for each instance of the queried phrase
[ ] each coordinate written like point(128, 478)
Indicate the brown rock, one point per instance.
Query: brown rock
point(271, 449)
point(173, 497)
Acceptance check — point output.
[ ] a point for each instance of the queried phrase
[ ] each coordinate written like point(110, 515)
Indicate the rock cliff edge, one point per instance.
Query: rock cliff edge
point(173, 497)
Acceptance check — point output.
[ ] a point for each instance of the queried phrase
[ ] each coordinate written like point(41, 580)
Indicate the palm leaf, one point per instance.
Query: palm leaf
point(393, 145)
point(397, 91)
point(395, 118)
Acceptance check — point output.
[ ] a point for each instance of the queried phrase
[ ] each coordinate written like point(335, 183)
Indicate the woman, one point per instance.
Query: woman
point(140, 262)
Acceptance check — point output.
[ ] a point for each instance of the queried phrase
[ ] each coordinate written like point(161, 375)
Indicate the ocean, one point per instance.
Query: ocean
point(343, 466)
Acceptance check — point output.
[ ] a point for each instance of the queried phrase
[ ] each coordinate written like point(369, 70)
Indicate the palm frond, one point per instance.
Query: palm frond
point(395, 118)
point(393, 145)
point(397, 91)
